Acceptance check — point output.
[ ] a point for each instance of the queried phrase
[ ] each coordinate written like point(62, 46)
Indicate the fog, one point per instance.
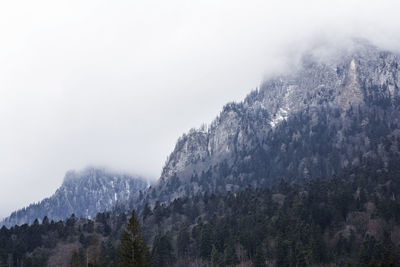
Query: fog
point(115, 83)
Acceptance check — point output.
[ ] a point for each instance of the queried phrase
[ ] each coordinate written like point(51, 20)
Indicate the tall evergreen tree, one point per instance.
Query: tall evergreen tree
point(216, 257)
point(78, 259)
point(259, 260)
point(183, 242)
point(230, 257)
point(133, 251)
point(206, 241)
point(161, 255)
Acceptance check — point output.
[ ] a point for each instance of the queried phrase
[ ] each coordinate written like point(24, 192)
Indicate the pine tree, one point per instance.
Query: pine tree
point(259, 260)
point(230, 257)
point(372, 263)
point(216, 257)
point(183, 242)
point(77, 259)
point(161, 255)
point(93, 251)
point(392, 262)
point(133, 251)
point(206, 241)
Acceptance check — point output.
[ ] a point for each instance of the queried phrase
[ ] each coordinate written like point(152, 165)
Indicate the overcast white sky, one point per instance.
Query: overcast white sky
point(115, 83)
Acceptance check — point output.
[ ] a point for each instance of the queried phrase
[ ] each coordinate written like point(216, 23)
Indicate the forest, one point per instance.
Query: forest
point(352, 219)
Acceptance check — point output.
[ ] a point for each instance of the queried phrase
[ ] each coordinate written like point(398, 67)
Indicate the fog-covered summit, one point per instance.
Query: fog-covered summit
point(317, 119)
point(340, 77)
point(84, 193)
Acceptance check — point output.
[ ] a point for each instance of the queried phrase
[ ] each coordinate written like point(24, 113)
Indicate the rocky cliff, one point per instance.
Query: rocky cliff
point(332, 111)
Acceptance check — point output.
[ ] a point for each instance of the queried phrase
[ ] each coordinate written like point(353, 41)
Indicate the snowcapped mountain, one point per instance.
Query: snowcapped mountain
point(332, 112)
point(83, 193)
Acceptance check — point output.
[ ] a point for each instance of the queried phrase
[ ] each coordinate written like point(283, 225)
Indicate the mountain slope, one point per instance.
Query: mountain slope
point(313, 156)
point(332, 112)
point(84, 193)
point(353, 219)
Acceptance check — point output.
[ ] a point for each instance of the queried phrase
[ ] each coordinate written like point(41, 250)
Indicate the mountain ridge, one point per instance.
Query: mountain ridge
point(331, 113)
point(339, 100)
point(83, 193)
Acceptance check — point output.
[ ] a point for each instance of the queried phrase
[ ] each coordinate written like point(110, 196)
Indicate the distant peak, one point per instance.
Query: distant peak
point(84, 193)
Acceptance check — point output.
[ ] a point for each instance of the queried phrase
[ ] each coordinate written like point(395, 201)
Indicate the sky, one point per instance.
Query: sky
point(115, 83)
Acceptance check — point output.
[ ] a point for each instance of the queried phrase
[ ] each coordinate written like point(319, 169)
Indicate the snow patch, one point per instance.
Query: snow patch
point(281, 115)
point(283, 111)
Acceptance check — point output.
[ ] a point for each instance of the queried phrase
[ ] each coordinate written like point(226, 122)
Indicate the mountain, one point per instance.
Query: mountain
point(303, 172)
point(336, 109)
point(83, 193)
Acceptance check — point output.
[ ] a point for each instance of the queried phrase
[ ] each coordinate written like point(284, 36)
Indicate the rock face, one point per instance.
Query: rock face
point(330, 113)
point(83, 193)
